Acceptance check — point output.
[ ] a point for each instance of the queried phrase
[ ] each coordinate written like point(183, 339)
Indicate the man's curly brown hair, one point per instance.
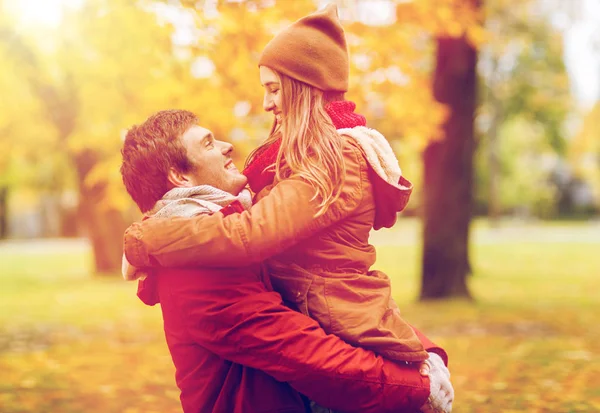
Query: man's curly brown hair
point(150, 150)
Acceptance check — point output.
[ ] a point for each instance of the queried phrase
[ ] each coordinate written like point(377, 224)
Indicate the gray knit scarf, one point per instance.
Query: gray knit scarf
point(187, 202)
point(203, 199)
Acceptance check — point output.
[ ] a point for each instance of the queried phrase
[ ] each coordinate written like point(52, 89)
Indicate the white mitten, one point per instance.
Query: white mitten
point(131, 273)
point(441, 393)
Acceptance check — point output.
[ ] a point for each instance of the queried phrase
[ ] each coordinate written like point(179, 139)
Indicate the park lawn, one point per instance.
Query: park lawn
point(531, 341)
point(71, 342)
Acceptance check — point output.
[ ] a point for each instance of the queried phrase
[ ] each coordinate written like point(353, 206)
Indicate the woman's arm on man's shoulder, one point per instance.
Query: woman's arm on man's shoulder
point(279, 220)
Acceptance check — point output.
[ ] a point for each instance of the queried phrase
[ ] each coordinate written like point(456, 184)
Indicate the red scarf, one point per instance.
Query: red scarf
point(342, 115)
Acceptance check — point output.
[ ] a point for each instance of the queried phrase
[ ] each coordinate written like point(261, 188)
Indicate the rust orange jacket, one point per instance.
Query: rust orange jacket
point(321, 266)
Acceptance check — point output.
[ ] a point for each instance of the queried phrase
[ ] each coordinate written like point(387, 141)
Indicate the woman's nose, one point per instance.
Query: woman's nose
point(267, 103)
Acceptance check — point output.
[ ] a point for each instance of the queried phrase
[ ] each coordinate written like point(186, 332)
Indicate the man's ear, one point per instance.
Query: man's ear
point(178, 179)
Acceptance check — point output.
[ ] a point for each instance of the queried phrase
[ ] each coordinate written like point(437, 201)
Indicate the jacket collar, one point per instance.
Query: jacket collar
point(342, 115)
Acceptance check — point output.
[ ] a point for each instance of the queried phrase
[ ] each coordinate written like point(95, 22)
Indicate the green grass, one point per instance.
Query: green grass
point(72, 342)
point(530, 342)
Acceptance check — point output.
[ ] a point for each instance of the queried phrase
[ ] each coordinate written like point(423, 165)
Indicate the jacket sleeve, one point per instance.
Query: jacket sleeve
point(430, 346)
point(248, 325)
point(279, 220)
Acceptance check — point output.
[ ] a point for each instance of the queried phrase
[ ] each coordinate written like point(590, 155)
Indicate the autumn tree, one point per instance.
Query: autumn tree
point(24, 137)
point(523, 79)
point(109, 65)
point(584, 150)
point(448, 171)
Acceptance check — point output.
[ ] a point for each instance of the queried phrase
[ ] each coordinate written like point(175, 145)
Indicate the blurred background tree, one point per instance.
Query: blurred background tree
point(77, 73)
point(448, 165)
point(525, 100)
point(583, 156)
point(105, 58)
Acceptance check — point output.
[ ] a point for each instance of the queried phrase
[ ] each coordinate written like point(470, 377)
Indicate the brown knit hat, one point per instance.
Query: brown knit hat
point(312, 50)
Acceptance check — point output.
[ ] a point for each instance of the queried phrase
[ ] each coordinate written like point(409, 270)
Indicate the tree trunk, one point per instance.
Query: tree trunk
point(104, 226)
point(3, 212)
point(105, 230)
point(494, 203)
point(493, 147)
point(448, 175)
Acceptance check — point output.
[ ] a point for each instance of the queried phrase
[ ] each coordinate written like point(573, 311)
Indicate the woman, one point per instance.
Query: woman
point(322, 180)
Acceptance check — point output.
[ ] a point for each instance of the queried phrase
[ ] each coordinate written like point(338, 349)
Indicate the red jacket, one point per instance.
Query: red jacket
point(234, 344)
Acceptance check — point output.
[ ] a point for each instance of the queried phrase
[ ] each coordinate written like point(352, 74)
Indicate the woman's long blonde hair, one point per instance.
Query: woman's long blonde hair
point(310, 148)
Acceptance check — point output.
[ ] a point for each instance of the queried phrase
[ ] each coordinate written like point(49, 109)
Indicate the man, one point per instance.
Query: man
point(235, 346)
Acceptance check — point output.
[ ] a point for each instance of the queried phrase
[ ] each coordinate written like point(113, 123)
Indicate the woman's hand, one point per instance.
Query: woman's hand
point(131, 273)
point(441, 393)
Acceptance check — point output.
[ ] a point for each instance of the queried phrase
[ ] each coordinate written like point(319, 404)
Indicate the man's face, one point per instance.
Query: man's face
point(211, 160)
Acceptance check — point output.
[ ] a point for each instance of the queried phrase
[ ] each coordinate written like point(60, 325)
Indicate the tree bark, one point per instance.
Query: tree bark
point(3, 212)
point(448, 175)
point(104, 225)
point(493, 145)
point(494, 201)
point(105, 228)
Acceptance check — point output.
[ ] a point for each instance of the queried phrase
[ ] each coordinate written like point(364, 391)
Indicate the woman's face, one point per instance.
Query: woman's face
point(272, 100)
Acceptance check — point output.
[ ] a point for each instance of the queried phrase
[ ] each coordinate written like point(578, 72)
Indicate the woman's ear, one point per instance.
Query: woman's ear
point(178, 179)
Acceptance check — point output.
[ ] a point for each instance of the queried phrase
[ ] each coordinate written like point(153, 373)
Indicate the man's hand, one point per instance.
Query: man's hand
point(441, 394)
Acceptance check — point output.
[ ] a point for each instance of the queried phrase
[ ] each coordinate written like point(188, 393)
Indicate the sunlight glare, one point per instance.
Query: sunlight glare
point(48, 13)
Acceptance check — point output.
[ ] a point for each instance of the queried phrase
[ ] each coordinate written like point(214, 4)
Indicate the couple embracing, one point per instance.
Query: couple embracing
point(263, 277)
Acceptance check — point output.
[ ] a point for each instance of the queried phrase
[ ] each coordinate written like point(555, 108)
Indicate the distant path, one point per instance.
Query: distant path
point(44, 246)
point(407, 232)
